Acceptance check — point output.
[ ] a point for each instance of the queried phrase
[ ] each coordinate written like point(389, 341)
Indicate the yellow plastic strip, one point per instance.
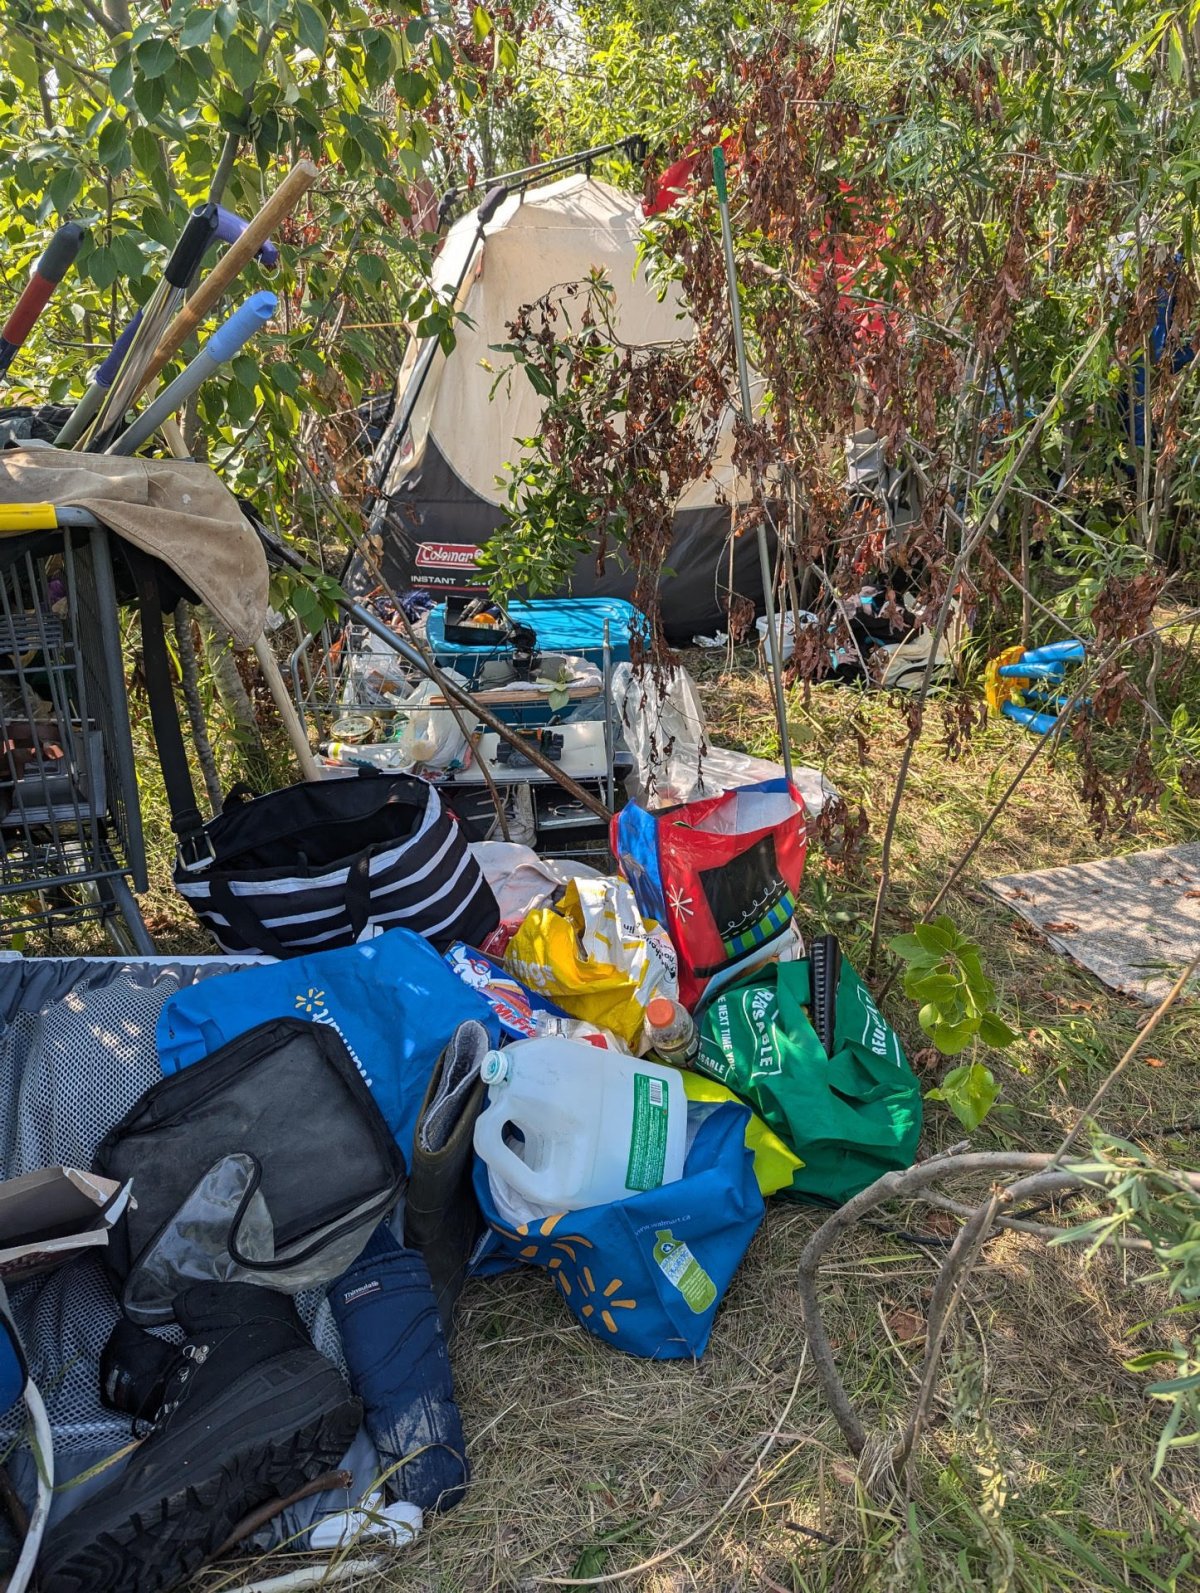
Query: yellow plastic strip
point(16, 517)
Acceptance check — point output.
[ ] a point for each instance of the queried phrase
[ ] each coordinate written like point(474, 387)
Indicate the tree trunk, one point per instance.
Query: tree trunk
point(235, 699)
point(190, 681)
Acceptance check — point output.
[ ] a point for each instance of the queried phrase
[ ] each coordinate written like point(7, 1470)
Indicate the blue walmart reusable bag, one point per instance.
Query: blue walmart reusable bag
point(392, 999)
point(648, 1273)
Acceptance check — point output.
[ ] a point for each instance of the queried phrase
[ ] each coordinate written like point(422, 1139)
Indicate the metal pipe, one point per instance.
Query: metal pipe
point(610, 778)
point(634, 145)
point(764, 555)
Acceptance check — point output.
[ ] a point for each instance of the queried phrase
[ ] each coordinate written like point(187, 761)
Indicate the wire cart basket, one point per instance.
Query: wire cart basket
point(70, 824)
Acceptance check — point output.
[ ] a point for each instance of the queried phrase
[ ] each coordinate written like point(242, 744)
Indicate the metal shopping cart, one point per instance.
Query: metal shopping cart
point(71, 838)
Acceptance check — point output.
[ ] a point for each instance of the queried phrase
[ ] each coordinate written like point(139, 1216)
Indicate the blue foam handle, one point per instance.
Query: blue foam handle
point(1026, 669)
point(249, 318)
point(230, 229)
point(1056, 653)
point(106, 373)
point(1026, 716)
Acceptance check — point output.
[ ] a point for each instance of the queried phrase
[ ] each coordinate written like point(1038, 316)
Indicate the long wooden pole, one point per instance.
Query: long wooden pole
point(280, 205)
point(774, 636)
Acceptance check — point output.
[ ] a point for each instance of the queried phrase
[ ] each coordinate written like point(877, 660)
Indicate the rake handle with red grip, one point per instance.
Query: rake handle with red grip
point(56, 261)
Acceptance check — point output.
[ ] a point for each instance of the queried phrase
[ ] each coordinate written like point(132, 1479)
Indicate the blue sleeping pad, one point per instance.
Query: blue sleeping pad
point(561, 625)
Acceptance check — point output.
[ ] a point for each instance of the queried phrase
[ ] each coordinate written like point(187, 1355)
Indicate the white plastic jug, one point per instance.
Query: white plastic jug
point(590, 1127)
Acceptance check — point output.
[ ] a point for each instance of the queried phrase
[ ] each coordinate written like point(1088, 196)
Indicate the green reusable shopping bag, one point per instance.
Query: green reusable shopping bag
point(851, 1116)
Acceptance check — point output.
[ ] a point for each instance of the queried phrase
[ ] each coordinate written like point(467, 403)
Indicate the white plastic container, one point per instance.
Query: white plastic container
point(567, 1126)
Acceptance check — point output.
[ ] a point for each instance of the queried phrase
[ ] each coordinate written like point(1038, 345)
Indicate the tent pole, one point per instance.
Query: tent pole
point(633, 145)
point(389, 443)
point(775, 641)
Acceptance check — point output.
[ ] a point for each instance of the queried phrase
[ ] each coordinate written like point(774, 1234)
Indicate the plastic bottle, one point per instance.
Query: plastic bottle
point(670, 1033)
point(567, 1126)
point(383, 755)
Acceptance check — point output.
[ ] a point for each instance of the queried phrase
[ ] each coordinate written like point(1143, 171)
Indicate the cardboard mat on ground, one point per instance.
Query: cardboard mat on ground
point(1132, 921)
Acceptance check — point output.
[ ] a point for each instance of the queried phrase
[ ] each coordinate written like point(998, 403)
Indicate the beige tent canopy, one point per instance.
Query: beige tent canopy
point(444, 485)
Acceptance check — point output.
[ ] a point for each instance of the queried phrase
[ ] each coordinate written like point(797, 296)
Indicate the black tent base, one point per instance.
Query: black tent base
point(435, 519)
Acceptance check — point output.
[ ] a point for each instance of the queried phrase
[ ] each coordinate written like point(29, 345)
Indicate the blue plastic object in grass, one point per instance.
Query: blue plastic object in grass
point(1024, 684)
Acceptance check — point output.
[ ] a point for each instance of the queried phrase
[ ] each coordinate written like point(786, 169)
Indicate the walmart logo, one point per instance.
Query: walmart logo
point(312, 1004)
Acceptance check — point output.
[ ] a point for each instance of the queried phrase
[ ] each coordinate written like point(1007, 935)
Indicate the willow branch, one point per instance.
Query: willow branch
point(947, 1292)
point(1043, 1175)
point(899, 1185)
point(1037, 1230)
point(1143, 1034)
point(958, 569)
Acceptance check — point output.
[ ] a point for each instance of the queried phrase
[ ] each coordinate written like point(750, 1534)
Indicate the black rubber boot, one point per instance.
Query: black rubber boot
point(251, 1413)
point(441, 1215)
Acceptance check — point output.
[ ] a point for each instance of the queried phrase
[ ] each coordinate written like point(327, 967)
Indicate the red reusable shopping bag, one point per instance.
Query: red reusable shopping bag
point(722, 876)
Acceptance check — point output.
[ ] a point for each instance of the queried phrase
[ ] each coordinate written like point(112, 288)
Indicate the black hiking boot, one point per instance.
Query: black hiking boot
point(135, 1369)
point(441, 1215)
point(251, 1413)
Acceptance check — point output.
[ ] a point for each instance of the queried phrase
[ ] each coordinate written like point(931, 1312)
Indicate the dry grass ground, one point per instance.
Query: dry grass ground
point(1036, 1474)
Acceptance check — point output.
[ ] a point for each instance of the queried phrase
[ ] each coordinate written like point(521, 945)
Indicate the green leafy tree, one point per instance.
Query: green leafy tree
point(944, 974)
point(123, 114)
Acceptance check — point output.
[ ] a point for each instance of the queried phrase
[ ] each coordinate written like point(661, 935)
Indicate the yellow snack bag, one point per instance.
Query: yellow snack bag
point(596, 956)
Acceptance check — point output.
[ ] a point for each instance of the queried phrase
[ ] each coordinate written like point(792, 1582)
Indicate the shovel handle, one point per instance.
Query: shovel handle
point(260, 227)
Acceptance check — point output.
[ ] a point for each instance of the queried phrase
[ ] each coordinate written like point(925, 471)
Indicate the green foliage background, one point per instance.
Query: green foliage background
point(118, 115)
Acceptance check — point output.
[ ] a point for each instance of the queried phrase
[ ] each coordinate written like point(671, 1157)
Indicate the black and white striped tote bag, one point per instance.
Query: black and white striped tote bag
point(328, 862)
